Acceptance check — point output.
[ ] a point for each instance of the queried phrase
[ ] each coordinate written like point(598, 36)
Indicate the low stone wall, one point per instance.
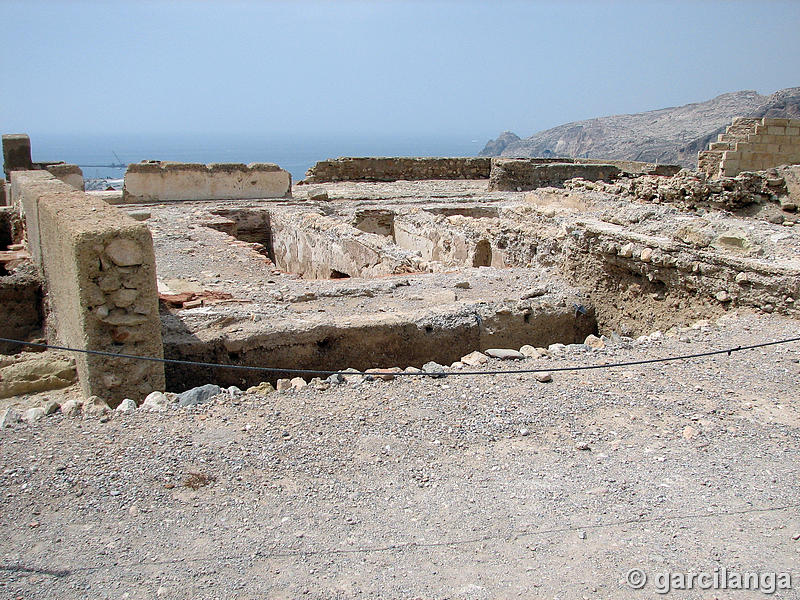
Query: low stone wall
point(100, 281)
point(520, 174)
point(398, 168)
point(20, 307)
point(752, 145)
point(72, 175)
point(155, 181)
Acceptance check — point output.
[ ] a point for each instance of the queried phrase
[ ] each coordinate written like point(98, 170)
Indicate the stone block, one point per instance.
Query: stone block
point(3, 200)
point(16, 153)
point(99, 268)
point(169, 181)
point(776, 130)
point(72, 175)
point(776, 122)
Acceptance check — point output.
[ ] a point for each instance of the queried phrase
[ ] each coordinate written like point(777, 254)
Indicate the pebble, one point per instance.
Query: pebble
point(33, 414)
point(95, 407)
point(71, 408)
point(435, 368)
point(543, 376)
point(534, 292)
point(690, 433)
point(582, 446)
point(155, 401)
point(384, 374)
point(283, 384)
point(126, 406)
point(505, 354)
point(262, 389)
point(198, 395)
point(51, 407)
point(464, 285)
point(298, 383)
point(531, 352)
point(473, 359)
point(594, 342)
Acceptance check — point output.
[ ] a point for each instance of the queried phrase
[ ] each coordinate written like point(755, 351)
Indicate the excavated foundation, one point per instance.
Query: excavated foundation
point(399, 274)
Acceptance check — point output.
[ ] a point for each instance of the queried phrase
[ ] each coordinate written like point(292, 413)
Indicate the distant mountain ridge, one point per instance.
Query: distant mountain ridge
point(668, 135)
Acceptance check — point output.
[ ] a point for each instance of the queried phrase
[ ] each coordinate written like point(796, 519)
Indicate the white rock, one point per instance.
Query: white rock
point(543, 376)
point(124, 253)
point(95, 407)
point(9, 417)
point(156, 402)
point(473, 359)
point(594, 342)
point(71, 408)
point(126, 406)
point(298, 383)
point(33, 414)
point(505, 354)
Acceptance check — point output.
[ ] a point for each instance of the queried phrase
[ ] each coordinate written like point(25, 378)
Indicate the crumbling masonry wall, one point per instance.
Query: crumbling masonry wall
point(154, 181)
point(752, 145)
point(398, 168)
point(520, 174)
point(100, 279)
point(414, 169)
point(17, 157)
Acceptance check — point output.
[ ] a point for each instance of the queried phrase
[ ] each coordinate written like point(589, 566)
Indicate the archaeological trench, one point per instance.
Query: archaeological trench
point(386, 262)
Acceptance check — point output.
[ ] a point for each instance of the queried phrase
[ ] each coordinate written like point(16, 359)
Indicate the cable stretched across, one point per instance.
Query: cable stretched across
point(631, 363)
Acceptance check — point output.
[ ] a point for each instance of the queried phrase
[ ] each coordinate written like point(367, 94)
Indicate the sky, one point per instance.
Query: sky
point(379, 67)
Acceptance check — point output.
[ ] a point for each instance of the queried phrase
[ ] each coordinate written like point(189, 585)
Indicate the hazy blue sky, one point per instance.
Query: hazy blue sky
point(379, 67)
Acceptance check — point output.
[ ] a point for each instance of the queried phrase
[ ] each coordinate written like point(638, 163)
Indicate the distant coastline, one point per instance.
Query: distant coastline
point(293, 153)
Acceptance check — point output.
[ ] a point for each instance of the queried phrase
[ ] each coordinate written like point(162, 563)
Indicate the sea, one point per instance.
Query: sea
point(97, 154)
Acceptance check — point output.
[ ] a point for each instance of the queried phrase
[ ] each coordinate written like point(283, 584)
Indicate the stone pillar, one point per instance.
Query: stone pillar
point(16, 153)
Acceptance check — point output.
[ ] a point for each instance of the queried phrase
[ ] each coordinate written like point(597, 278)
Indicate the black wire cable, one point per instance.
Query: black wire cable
point(631, 363)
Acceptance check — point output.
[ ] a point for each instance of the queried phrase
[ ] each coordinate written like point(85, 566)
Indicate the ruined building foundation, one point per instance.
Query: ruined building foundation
point(378, 263)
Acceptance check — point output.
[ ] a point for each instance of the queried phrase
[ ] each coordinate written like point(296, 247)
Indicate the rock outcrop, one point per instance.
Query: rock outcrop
point(671, 135)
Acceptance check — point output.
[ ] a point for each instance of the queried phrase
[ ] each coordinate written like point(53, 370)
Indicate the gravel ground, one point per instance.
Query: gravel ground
point(462, 487)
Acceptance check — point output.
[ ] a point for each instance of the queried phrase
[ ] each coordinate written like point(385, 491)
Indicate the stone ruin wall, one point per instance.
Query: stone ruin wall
point(542, 170)
point(100, 279)
point(155, 181)
point(398, 168)
point(752, 145)
point(17, 157)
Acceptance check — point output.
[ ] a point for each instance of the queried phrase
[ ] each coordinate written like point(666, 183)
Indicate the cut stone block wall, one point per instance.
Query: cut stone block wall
point(155, 181)
point(3, 201)
point(398, 168)
point(752, 145)
point(100, 282)
point(520, 174)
